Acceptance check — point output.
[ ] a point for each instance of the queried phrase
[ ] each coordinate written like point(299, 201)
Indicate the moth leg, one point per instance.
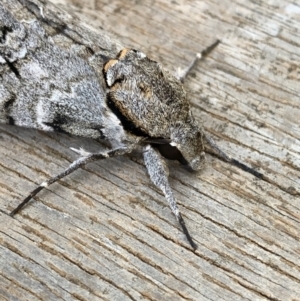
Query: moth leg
point(182, 73)
point(89, 157)
point(158, 172)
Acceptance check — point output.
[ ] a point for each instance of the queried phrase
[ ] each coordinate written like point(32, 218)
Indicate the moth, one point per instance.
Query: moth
point(57, 75)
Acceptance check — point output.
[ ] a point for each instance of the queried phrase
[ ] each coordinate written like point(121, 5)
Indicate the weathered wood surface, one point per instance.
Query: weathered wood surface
point(105, 232)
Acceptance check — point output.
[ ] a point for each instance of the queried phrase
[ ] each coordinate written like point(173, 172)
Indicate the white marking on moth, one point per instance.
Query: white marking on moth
point(113, 119)
point(109, 72)
point(40, 114)
point(29, 21)
point(173, 144)
point(42, 12)
point(15, 55)
point(22, 52)
point(2, 60)
point(44, 184)
point(141, 54)
point(109, 78)
point(114, 131)
point(34, 71)
point(80, 151)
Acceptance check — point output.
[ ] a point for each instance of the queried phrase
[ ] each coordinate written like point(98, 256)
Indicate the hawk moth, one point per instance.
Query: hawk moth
point(57, 75)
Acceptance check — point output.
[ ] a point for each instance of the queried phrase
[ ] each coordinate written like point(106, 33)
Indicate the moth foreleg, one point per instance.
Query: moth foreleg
point(89, 157)
point(217, 151)
point(182, 73)
point(158, 172)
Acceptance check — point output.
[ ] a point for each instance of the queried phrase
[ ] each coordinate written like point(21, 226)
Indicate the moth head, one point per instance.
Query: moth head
point(153, 103)
point(187, 138)
point(186, 145)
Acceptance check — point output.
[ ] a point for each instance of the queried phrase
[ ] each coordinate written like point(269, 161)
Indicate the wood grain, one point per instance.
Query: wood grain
point(105, 232)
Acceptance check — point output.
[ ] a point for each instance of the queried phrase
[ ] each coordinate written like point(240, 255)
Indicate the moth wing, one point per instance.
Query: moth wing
point(48, 86)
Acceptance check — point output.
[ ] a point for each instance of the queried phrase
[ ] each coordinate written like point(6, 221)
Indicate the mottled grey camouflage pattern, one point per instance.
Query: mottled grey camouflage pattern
point(51, 77)
point(57, 75)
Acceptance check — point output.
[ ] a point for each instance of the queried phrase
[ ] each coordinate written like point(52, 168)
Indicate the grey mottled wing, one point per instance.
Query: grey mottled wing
point(51, 73)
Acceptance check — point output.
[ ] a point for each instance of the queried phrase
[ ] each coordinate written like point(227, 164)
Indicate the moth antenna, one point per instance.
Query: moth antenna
point(225, 157)
point(181, 74)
